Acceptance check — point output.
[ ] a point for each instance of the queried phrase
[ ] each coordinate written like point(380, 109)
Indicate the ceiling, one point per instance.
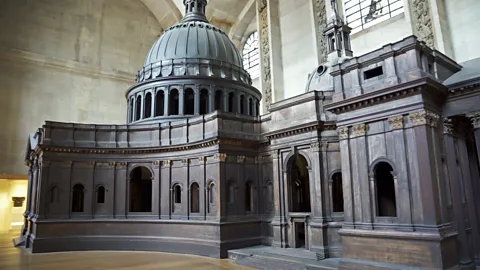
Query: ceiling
point(232, 16)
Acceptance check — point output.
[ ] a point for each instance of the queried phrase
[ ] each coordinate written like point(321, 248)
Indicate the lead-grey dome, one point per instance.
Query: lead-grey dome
point(193, 69)
point(194, 39)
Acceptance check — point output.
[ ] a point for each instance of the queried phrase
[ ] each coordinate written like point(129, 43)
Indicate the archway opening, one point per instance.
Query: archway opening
point(189, 102)
point(78, 198)
point(211, 197)
point(140, 190)
point(250, 107)
point(299, 185)
point(195, 198)
point(132, 110)
point(337, 192)
point(385, 189)
point(173, 102)
point(231, 102)
point(138, 108)
point(160, 103)
point(218, 100)
point(203, 101)
point(147, 112)
point(242, 104)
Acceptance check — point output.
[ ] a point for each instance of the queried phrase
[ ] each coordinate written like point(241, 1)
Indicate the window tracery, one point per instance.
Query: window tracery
point(251, 55)
point(361, 14)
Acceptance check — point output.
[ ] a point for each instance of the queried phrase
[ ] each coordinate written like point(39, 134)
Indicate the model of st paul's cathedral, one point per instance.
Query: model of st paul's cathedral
point(376, 163)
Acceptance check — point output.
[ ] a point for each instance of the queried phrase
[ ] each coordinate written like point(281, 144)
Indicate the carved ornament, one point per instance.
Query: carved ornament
point(475, 119)
point(423, 22)
point(424, 117)
point(396, 122)
point(121, 165)
point(202, 160)
point(324, 146)
point(185, 161)
point(274, 154)
point(265, 53)
point(447, 126)
point(359, 130)
point(166, 163)
point(315, 146)
point(220, 157)
point(343, 133)
point(157, 163)
point(321, 13)
point(240, 159)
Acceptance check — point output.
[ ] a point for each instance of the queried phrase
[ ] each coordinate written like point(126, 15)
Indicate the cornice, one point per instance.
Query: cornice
point(385, 95)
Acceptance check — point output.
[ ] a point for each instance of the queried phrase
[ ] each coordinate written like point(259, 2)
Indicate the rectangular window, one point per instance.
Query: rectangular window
point(374, 72)
point(361, 14)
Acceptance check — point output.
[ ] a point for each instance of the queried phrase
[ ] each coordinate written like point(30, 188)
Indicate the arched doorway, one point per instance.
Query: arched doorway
point(140, 190)
point(298, 196)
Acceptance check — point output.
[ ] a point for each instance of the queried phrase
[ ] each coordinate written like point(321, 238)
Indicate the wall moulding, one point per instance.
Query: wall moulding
point(19, 56)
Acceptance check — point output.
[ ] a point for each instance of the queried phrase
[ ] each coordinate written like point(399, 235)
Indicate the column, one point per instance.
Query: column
point(221, 184)
point(181, 101)
point(270, 52)
point(346, 177)
point(142, 106)
point(225, 100)
point(166, 100)
point(475, 119)
point(197, 100)
point(165, 186)
point(157, 189)
point(453, 173)
point(120, 202)
point(211, 99)
point(153, 103)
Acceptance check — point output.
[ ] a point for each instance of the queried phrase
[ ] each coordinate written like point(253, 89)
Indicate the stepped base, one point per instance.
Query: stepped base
point(268, 258)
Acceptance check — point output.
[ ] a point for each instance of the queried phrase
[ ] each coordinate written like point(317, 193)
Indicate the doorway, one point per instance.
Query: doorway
point(298, 185)
point(300, 235)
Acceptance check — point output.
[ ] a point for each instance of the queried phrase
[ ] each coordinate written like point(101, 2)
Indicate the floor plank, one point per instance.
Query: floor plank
point(12, 258)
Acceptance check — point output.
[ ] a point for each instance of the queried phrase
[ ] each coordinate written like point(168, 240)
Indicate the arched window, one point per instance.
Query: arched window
point(147, 112)
point(219, 100)
point(231, 193)
point(248, 197)
point(177, 194)
point(173, 102)
point(195, 198)
point(160, 103)
point(204, 101)
point(242, 104)
point(251, 55)
point(385, 190)
point(231, 102)
point(250, 106)
point(269, 196)
point(337, 192)
point(132, 110)
point(188, 102)
point(78, 198)
point(54, 194)
point(257, 107)
point(101, 194)
point(138, 108)
point(211, 197)
point(140, 190)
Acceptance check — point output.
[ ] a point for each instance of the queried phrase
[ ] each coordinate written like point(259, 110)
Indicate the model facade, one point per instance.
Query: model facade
point(376, 163)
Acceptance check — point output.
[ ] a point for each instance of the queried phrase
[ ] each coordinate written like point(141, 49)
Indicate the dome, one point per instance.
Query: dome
point(191, 70)
point(194, 39)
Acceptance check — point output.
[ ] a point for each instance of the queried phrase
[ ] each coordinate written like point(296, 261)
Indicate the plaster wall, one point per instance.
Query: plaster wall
point(298, 45)
point(8, 213)
point(463, 19)
point(66, 60)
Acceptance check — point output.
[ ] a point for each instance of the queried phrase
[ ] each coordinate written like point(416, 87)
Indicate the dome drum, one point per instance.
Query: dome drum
point(174, 100)
point(193, 67)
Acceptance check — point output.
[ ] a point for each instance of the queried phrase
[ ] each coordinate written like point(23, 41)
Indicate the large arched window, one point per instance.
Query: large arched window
point(363, 14)
point(219, 100)
point(195, 198)
point(385, 190)
point(173, 102)
point(140, 190)
point(231, 102)
point(251, 55)
point(78, 198)
point(132, 110)
point(138, 108)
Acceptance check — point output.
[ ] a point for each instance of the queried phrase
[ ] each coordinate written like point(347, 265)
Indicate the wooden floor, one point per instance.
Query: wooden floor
point(12, 258)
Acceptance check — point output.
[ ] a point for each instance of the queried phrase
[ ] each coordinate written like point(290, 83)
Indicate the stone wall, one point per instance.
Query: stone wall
point(67, 61)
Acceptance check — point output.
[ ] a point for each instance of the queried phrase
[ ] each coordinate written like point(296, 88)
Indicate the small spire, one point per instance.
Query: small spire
point(195, 10)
